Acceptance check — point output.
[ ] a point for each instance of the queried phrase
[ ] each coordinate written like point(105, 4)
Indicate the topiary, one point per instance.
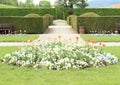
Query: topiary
point(90, 14)
point(32, 15)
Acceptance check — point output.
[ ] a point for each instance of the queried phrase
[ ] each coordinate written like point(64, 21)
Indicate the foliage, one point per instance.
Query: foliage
point(59, 56)
point(70, 4)
point(32, 15)
point(99, 11)
point(25, 11)
point(57, 12)
point(6, 6)
point(89, 14)
point(9, 2)
point(29, 3)
point(50, 18)
point(72, 20)
point(44, 4)
point(30, 24)
point(98, 24)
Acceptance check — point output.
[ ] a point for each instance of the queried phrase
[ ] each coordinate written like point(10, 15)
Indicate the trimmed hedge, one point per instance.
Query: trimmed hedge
point(72, 20)
point(50, 18)
point(25, 11)
point(57, 13)
point(99, 11)
point(30, 24)
point(98, 24)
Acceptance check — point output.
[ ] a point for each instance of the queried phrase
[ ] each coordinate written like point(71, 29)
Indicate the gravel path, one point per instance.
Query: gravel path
point(60, 30)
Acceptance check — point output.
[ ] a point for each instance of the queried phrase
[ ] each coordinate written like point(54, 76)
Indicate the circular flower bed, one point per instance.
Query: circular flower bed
point(59, 56)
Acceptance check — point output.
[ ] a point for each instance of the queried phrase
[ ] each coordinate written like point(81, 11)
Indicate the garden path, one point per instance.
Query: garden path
point(60, 30)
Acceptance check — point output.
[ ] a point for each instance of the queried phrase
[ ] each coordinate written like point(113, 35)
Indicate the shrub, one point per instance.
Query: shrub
point(98, 23)
point(99, 11)
point(32, 15)
point(72, 20)
point(50, 18)
point(30, 24)
point(90, 14)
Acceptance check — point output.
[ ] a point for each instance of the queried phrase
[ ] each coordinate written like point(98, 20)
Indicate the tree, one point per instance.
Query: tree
point(70, 4)
point(45, 4)
point(29, 3)
point(21, 4)
point(9, 2)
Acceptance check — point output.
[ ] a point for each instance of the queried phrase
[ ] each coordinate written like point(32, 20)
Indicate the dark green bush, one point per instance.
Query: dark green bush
point(30, 24)
point(72, 20)
point(98, 23)
point(99, 11)
point(25, 11)
point(57, 13)
point(50, 18)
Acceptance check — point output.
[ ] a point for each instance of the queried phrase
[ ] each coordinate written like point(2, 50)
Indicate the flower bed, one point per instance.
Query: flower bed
point(59, 56)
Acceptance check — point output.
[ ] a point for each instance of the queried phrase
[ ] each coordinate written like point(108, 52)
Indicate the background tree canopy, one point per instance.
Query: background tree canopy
point(70, 4)
point(27, 3)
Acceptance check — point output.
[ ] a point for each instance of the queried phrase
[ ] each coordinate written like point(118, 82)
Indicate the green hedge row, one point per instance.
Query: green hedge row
point(99, 11)
point(25, 11)
point(98, 24)
point(72, 20)
point(30, 24)
point(57, 13)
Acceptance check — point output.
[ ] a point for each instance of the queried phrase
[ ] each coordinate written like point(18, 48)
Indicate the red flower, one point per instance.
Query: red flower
point(100, 43)
point(77, 38)
point(103, 45)
point(59, 36)
point(93, 41)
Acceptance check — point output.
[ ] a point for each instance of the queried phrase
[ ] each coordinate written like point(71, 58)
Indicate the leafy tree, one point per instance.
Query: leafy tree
point(9, 2)
point(70, 4)
point(45, 4)
point(21, 4)
point(29, 3)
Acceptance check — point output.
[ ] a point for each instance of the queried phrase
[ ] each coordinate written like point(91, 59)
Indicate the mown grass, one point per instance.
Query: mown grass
point(18, 38)
point(12, 75)
point(88, 37)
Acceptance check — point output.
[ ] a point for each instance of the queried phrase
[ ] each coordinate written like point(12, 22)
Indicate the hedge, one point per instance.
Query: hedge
point(30, 24)
point(57, 13)
point(25, 11)
point(98, 24)
point(99, 11)
point(72, 20)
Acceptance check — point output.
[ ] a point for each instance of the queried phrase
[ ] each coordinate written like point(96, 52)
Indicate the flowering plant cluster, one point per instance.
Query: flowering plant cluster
point(59, 56)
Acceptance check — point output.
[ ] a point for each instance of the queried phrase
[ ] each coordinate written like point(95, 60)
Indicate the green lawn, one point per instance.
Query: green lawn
point(101, 38)
point(12, 75)
point(18, 38)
